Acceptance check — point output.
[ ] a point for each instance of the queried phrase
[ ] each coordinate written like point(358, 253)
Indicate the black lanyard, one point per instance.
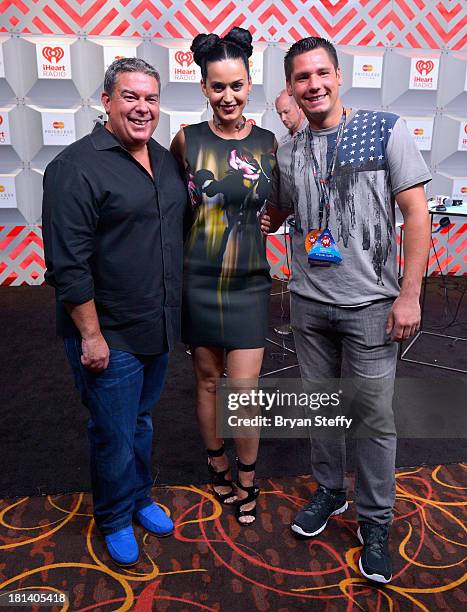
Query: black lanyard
point(322, 183)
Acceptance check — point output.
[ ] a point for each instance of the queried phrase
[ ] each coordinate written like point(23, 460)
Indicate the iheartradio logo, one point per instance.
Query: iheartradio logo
point(184, 57)
point(53, 53)
point(419, 131)
point(58, 125)
point(367, 68)
point(424, 67)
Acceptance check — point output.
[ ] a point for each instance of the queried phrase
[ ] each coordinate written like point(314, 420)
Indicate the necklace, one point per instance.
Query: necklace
point(238, 126)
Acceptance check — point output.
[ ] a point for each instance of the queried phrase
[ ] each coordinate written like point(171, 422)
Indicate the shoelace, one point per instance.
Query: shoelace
point(375, 539)
point(319, 501)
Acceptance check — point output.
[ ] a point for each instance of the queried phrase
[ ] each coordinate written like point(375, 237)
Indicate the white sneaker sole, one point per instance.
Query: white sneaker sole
point(374, 577)
point(310, 534)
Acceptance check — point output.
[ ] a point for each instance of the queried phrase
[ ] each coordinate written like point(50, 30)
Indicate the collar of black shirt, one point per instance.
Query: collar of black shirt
point(103, 139)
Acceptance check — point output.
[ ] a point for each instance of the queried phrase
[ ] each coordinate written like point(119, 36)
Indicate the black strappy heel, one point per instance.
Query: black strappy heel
point(252, 491)
point(218, 479)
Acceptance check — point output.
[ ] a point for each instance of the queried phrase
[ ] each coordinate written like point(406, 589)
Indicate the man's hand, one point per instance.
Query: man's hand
point(404, 318)
point(96, 352)
point(265, 224)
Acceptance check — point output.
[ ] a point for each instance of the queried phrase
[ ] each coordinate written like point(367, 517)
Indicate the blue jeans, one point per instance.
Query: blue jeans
point(120, 401)
point(326, 337)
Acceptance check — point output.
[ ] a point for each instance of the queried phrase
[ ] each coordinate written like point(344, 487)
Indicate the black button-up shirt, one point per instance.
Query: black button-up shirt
point(112, 233)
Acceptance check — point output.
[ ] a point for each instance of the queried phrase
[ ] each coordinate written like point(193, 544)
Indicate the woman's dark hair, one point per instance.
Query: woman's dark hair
point(236, 44)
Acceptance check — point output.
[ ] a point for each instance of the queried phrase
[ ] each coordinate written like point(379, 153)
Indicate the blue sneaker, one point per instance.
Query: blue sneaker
point(155, 520)
point(122, 546)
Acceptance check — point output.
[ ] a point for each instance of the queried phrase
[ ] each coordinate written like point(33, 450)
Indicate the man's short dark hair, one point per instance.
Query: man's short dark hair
point(308, 44)
point(127, 64)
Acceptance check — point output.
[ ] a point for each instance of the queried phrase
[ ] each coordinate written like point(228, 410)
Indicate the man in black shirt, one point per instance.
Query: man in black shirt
point(112, 225)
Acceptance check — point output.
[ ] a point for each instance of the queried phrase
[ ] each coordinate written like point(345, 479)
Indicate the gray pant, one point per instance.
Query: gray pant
point(326, 337)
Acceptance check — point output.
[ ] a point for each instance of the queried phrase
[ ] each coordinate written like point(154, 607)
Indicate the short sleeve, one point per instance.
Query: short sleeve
point(407, 167)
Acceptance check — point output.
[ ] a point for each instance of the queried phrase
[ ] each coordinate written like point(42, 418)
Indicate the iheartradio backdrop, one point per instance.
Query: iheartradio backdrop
point(406, 56)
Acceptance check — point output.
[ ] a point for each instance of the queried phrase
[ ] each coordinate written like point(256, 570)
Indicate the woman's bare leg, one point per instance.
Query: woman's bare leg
point(245, 364)
point(209, 365)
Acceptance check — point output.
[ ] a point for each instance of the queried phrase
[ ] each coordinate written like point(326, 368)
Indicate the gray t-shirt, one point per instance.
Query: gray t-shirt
point(377, 158)
point(288, 136)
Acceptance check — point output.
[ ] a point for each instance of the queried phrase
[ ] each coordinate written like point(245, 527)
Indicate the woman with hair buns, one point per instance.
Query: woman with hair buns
point(228, 164)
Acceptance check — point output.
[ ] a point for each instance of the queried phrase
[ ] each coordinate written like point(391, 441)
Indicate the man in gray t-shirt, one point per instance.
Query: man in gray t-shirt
point(341, 177)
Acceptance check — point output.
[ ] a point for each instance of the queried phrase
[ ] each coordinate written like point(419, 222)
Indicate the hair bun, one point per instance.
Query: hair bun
point(242, 38)
point(202, 45)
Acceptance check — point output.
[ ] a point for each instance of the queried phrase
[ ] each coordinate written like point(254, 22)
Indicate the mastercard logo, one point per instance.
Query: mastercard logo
point(58, 125)
point(418, 131)
point(252, 121)
point(2, 188)
point(367, 68)
point(463, 189)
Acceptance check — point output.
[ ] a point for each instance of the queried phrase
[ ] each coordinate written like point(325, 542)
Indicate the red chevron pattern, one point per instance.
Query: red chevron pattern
point(449, 251)
point(403, 23)
point(21, 255)
point(448, 254)
point(278, 254)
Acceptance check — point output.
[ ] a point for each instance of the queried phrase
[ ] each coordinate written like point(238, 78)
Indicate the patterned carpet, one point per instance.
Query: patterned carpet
point(211, 563)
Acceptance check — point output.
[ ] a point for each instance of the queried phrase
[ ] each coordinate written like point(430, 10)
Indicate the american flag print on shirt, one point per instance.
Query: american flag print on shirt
point(364, 141)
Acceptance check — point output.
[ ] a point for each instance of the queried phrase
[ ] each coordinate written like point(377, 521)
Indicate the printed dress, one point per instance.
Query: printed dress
point(227, 282)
